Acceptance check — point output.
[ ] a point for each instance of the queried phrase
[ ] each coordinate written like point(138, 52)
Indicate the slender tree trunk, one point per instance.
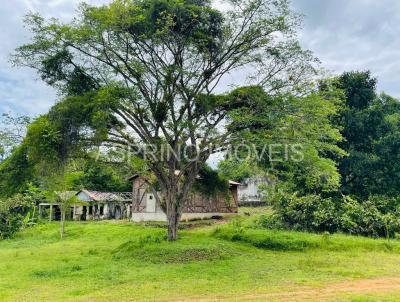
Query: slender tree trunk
point(62, 224)
point(51, 213)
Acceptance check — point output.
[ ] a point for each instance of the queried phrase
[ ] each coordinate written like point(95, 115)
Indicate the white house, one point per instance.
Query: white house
point(250, 190)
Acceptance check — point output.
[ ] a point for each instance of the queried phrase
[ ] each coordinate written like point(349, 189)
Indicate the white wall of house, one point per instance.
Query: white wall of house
point(150, 204)
point(160, 216)
point(143, 216)
point(249, 189)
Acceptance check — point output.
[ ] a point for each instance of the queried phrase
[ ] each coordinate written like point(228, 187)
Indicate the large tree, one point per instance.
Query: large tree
point(150, 70)
point(370, 125)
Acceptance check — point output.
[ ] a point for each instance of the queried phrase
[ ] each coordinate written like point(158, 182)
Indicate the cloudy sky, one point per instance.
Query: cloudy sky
point(343, 34)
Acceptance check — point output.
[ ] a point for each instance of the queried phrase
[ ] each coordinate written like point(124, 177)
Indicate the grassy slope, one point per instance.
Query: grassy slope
point(107, 261)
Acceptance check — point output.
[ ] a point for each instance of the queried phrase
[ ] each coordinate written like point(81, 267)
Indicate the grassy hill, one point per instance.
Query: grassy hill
point(107, 261)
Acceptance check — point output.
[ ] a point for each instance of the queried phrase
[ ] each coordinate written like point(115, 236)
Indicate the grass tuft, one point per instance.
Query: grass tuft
point(45, 274)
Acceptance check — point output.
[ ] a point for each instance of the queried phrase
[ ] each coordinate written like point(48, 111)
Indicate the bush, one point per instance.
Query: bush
point(378, 216)
point(375, 217)
point(9, 224)
point(308, 213)
point(15, 213)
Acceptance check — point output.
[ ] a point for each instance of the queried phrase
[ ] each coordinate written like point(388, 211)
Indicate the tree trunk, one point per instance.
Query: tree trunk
point(51, 213)
point(62, 224)
point(175, 196)
point(173, 214)
point(172, 227)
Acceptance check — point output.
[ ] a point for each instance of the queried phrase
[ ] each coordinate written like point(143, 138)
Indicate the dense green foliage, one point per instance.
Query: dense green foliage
point(372, 136)
point(236, 170)
point(343, 185)
point(101, 177)
point(19, 211)
point(211, 183)
point(10, 219)
point(291, 138)
point(16, 172)
point(379, 216)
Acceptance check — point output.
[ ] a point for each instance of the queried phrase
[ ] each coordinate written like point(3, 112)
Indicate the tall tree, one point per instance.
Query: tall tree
point(148, 71)
point(371, 130)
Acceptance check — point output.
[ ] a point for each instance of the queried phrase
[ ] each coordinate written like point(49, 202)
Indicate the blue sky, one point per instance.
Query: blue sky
point(344, 35)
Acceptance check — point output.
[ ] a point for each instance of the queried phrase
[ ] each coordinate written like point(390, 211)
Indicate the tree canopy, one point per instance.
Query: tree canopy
point(371, 130)
point(292, 138)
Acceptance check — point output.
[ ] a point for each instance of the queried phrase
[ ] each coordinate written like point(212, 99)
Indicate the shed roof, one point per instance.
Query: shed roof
point(108, 196)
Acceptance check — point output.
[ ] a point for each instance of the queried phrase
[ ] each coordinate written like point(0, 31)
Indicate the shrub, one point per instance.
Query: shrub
point(375, 217)
point(15, 213)
point(378, 216)
point(9, 224)
point(308, 213)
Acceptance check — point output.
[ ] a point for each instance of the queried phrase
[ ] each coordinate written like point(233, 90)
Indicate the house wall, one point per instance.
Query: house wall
point(198, 206)
point(199, 203)
point(160, 216)
point(249, 190)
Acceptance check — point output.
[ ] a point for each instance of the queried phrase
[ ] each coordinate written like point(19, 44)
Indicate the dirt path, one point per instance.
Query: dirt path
point(365, 286)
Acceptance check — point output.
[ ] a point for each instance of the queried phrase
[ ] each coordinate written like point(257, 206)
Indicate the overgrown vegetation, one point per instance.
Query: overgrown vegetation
point(343, 184)
point(379, 216)
point(212, 183)
point(18, 212)
point(329, 146)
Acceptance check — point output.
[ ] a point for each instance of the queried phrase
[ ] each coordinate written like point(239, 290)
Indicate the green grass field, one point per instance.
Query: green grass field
point(110, 261)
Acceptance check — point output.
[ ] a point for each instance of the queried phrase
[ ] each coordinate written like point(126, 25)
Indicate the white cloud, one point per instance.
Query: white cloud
point(20, 90)
point(345, 35)
point(355, 35)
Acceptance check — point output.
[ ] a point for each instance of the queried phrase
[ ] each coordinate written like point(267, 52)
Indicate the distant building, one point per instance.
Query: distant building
point(93, 205)
point(198, 206)
point(140, 205)
point(250, 191)
point(103, 205)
